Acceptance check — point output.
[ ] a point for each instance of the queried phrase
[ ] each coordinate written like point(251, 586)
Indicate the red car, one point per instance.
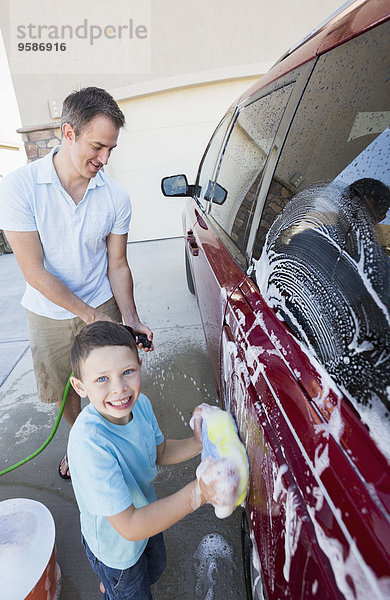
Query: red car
point(287, 238)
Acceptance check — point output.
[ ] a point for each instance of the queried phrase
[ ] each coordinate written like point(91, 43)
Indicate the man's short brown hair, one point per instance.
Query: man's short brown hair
point(79, 108)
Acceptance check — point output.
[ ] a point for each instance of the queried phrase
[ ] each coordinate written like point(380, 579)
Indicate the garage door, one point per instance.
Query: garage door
point(166, 134)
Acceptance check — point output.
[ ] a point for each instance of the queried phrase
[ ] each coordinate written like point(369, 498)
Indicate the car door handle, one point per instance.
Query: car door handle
point(192, 245)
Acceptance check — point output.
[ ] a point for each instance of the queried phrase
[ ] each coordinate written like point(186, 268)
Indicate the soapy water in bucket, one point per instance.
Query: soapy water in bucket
point(27, 551)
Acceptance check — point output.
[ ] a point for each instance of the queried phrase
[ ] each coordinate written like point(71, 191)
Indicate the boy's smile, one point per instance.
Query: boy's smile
point(111, 378)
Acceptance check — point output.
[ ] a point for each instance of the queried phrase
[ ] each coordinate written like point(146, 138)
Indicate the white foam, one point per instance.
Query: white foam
point(23, 434)
point(321, 458)
point(278, 482)
point(292, 531)
point(354, 578)
point(213, 559)
point(324, 210)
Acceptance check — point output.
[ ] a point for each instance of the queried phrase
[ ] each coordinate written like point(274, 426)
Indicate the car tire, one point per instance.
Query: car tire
point(253, 579)
point(190, 281)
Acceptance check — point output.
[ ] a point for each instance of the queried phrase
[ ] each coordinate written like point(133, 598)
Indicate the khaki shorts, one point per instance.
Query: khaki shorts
point(50, 342)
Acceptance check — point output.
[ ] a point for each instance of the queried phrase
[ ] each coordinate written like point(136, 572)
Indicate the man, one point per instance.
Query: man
point(67, 223)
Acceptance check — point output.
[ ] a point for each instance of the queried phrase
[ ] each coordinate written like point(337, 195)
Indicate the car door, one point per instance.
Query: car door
point(265, 398)
point(203, 186)
point(200, 242)
point(305, 500)
point(306, 367)
point(220, 235)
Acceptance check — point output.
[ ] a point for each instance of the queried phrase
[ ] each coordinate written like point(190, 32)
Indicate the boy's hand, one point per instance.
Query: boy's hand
point(196, 424)
point(218, 481)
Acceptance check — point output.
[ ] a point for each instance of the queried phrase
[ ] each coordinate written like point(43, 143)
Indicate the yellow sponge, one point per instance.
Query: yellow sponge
point(221, 442)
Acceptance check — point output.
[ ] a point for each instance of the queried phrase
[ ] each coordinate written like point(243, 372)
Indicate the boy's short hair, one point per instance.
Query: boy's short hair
point(79, 108)
point(98, 335)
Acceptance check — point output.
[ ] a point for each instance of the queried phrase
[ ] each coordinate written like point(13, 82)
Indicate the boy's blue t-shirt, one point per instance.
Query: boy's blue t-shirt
point(113, 466)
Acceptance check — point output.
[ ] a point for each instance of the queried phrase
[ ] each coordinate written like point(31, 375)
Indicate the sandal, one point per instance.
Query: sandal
point(66, 476)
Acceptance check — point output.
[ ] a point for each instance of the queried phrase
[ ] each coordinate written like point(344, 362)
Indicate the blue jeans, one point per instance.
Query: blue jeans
point(132, 583)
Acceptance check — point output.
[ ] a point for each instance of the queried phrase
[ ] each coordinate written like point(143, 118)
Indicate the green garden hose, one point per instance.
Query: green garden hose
point(57, 422)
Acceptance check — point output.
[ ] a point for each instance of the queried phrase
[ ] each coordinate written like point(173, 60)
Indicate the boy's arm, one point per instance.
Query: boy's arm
point(139, 523)
point(171, 452)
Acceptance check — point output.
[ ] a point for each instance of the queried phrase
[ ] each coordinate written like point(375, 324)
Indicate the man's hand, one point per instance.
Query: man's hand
point(139, 327)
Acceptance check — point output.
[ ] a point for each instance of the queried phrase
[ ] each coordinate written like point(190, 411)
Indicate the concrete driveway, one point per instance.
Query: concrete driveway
point(204, 555)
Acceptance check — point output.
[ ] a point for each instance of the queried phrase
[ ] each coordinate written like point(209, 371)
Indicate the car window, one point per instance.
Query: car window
point(243, 162)
point(209, 162)
point(323, 243)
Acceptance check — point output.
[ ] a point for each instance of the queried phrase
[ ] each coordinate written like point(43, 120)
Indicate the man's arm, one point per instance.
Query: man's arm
point(121, 282)
point(27, 249)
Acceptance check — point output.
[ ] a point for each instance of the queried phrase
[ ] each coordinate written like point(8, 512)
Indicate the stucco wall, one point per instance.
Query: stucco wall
point(186, 37)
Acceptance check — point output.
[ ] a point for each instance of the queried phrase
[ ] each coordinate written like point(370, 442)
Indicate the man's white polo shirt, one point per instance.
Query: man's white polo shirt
point(73, 237)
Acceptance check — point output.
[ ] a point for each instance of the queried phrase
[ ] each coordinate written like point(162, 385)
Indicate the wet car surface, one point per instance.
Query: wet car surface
point(287, 250)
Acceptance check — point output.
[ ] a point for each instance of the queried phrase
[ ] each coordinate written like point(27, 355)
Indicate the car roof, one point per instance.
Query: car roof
point(354, 18)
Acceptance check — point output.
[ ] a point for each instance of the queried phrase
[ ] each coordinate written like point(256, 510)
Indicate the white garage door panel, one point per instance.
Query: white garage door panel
point(166, 134)
point(154, 215)
point(164, 146)
point(145, 226)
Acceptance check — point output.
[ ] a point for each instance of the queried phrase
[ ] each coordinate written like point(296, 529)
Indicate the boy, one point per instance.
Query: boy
point(113, 450)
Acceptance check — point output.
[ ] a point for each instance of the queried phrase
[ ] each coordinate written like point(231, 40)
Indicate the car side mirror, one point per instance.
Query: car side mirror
point(215, 192)
point(219, 195)
point(176, 185)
